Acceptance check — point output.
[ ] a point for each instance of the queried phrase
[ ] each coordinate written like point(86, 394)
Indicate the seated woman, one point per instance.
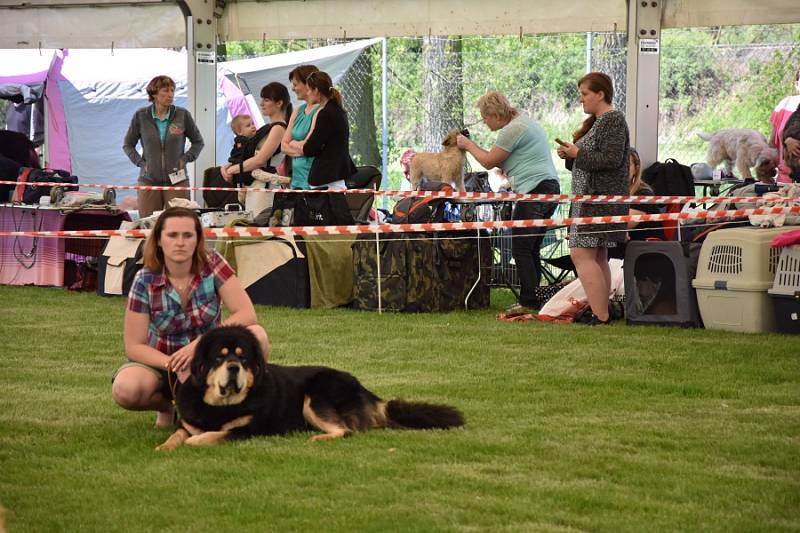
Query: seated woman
point(644, 231)
point(174, 299)
point(639, 231)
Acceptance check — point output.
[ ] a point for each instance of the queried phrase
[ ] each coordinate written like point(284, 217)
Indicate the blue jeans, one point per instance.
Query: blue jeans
point(526, 241)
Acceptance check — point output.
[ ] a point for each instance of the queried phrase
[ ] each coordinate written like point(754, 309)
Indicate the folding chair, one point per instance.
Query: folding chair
point(366, 177)
point(556, 264)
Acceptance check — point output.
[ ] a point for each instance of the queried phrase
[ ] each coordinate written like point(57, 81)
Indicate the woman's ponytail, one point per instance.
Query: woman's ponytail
point(336, 96)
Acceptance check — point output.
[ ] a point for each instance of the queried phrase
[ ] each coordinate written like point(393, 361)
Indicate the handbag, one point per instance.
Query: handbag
point(312, 209)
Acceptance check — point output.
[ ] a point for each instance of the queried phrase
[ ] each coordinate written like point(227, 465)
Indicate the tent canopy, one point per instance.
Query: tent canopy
point(155, 23)
point(92, 95)
point(256, 72)
point(199, 24)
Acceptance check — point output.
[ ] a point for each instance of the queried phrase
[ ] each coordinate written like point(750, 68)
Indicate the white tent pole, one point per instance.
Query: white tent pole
point(384, 121)
point(588, 52)
point(201, 70)
point(641, 105)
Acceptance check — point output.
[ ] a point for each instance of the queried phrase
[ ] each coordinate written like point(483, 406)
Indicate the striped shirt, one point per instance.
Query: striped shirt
point(171, 325)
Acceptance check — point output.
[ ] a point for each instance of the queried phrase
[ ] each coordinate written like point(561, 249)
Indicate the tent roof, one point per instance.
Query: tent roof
point(258, 71)
point(156, 23)
point(24, 66)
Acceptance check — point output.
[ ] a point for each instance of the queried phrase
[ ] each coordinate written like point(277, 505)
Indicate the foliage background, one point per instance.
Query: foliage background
point(711, 78)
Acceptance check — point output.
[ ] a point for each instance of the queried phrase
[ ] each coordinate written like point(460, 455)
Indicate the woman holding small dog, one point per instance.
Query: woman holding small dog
point(599, 162)
point(174, 299)
point(522, 152)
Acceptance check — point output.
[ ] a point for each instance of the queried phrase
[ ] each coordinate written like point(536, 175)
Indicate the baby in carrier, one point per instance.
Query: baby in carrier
point(244, 129)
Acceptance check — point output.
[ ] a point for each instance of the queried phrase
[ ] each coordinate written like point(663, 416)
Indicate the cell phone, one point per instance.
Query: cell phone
point(465, 132)
point(559, 141)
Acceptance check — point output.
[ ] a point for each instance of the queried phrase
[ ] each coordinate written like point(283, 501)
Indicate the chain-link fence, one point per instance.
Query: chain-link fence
point(710, 78)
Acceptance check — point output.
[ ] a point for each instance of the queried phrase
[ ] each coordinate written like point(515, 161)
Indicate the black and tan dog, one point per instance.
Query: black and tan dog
point(232, 394)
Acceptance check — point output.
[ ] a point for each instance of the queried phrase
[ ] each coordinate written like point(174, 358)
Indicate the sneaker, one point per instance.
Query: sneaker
point(519, 309)
point(594, 321)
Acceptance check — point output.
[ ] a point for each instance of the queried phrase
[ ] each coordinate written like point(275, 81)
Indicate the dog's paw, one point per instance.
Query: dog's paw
point(174, 440)
point(329, 436)
point(209, 438)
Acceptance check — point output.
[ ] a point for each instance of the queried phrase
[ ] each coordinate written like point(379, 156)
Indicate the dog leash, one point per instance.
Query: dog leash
point(173, 385)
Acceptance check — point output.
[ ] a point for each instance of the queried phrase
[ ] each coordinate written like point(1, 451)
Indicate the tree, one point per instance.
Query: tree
point(610, 58)
point(443, 101)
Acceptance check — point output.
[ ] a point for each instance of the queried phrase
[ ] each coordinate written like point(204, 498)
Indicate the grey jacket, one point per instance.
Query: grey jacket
point(157, 160)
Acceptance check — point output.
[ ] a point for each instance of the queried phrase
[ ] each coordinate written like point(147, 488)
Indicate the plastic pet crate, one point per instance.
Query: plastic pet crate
point(736, 268)
point(658, 283)
point(785, 291)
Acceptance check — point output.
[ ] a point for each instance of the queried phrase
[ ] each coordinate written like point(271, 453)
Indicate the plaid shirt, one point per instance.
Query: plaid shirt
point(171, 326)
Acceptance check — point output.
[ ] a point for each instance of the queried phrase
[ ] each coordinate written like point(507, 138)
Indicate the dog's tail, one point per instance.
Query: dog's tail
point(420, 415)
point(704, 136)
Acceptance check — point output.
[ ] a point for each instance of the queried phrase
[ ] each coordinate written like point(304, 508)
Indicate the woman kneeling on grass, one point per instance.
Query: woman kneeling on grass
point(174, 299)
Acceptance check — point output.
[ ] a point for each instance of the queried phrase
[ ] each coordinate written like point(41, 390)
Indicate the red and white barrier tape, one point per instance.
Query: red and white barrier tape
point(253, 231)
point(489, 196)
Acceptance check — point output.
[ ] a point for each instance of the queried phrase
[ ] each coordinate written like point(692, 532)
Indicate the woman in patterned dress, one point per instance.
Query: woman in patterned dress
point(599, 162)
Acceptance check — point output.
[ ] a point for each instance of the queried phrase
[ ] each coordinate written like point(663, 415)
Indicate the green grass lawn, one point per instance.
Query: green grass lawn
point(568, 428)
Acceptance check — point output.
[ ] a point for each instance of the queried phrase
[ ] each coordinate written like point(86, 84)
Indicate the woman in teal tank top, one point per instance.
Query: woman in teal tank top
point(299, 126)
point(301, 165)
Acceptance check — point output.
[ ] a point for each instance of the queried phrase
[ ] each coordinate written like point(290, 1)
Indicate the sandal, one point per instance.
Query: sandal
point(518, 309)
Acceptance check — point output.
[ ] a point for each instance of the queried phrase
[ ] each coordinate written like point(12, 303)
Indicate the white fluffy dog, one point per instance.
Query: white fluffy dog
point(746, 147)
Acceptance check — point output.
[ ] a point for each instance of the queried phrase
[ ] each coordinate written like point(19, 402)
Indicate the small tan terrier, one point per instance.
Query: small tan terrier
point(444, 166)
point(743, 148)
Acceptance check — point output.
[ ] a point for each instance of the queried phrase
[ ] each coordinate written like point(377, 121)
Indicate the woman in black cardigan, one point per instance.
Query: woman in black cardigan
point(329, 139)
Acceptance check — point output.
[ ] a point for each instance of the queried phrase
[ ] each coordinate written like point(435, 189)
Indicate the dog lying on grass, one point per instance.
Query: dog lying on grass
point(444, 166)
point(232, 394)
point(746, 148)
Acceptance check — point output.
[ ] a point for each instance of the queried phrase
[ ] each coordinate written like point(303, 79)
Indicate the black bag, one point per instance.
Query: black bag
point(212, 177)
point(118, 264)
point(32, 194)
point(312, 209)
point(9, 171)
point(669, 178)
point(424, 209)
point(421, 272)
point(477, 182)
